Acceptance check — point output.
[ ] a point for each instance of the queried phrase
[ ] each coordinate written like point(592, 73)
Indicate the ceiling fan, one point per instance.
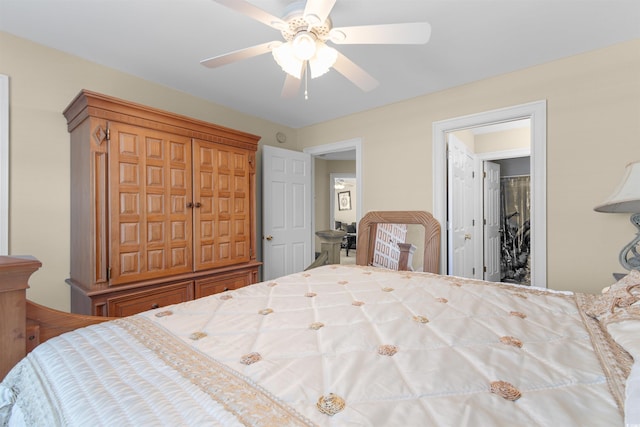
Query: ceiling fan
point(306, 28)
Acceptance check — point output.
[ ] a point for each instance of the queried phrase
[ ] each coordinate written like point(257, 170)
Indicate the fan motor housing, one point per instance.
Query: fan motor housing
point(294, 17)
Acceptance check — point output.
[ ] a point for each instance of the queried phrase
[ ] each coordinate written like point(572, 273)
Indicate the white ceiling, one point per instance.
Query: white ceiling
point(164, 40)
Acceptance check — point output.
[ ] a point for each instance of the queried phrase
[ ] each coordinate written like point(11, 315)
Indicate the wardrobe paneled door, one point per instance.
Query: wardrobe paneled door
point(222, 205)
point(151, 223)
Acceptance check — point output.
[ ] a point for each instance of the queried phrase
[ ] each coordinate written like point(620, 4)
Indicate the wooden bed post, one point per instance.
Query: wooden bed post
point(14, 281)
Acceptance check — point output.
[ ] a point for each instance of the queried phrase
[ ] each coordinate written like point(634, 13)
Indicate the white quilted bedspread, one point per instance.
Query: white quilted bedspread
point(399, 349)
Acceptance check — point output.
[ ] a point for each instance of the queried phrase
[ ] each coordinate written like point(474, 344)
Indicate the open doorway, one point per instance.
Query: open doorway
point(344, 192)
point(289, 241)
point(342, 212)
point(513, 256)
point(489, 202)
point(536, 113)
point(339, 160)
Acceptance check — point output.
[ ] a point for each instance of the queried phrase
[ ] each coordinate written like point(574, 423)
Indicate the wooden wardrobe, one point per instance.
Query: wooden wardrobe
point(162, 207)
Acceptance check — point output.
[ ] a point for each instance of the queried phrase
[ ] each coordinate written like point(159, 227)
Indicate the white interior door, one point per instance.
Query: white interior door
point(286, 211)
point(460, 209)
point(491, 221)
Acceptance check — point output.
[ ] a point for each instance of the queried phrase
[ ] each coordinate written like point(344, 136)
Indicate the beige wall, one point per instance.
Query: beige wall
point(593, 105)
point(504, 140)
point(490, 142)
point(593, 131)
point(467, 138)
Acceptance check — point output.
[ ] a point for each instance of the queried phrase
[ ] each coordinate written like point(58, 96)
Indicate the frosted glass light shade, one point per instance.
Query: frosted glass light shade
point(304, 46)
point(626, 198)
point(285, 58)
point(323, 60)
point(320, 62)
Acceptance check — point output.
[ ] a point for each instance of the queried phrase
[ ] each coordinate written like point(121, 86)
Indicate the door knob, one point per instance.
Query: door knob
point(467, 237)
point(269, 237)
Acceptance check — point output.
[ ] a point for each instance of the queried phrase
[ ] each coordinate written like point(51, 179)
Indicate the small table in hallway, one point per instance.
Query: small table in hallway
point(349, 242)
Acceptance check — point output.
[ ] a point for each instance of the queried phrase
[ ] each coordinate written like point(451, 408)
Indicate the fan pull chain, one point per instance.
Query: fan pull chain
point(306, 79)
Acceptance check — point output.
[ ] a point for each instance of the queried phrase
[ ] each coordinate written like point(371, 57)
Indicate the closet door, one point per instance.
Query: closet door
point(222, 201)
point(150, 195)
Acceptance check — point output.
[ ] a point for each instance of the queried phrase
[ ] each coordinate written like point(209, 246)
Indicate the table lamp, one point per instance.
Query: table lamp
point(626, 199)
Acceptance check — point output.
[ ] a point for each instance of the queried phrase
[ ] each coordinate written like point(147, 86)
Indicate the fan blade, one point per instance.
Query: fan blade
point(238, 55)
point(254, 12)
point(353, 72)
point(409, 33)
point(291, 87)
point(316, 11)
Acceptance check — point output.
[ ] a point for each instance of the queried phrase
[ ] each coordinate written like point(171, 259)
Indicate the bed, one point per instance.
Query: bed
point(346, 345)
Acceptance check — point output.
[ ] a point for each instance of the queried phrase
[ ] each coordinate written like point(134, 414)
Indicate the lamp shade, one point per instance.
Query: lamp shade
point(626, 198)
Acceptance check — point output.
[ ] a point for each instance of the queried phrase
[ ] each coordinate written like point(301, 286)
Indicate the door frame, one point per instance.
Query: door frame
point(336, 147)
point(4, 164)
point(535, 111)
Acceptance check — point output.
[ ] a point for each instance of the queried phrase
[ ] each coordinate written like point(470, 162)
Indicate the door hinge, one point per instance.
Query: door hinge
point(473, 271)
point(484, 174)
point(108, 133)
point(484, 269)
point(473, 222)
point(108, 273)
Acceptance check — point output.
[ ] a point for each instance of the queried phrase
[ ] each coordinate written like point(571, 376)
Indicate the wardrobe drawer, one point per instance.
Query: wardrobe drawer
point(137, 302)
point(221, 283)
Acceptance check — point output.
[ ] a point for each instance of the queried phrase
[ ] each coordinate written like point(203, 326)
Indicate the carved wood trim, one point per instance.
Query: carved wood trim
point(92, 104)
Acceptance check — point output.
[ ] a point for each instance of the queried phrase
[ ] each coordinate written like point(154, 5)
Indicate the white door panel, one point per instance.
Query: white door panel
point(286, 211)
point(460, 209)
point(491, 221)
point(468, 204)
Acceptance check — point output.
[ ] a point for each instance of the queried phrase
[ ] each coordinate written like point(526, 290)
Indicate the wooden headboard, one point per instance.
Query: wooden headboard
point(25, 324)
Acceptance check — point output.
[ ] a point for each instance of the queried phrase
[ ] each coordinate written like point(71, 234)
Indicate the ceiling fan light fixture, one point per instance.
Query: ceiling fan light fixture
point(286, 59)
point(323, 61)
point(292, 62)
point(306, 26)
point(304, 45)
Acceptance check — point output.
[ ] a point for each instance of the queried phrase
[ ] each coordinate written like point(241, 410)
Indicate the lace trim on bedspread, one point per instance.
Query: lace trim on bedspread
point(250, 403)
point(615, 361)
point(23, 387)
